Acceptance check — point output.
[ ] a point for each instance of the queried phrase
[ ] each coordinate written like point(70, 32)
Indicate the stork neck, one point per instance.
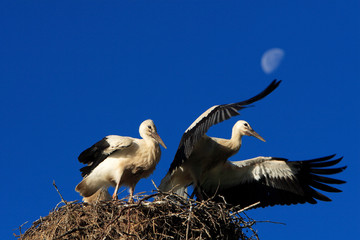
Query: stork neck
point(149, 140)
point(236, 140)
point(153, 148)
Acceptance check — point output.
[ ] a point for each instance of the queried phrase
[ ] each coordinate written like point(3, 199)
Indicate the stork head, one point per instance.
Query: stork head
point(148, 129)
point(244, 128)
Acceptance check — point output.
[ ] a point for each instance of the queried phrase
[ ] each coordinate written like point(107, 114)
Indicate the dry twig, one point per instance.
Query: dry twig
point(168, 216)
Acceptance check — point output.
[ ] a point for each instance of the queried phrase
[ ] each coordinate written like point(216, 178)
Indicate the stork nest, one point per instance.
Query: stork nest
point(167, 216)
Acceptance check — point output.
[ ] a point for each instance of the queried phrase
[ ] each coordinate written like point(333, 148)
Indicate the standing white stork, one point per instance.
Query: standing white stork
point(117, 160)
point(198, 153)
point(271, 181)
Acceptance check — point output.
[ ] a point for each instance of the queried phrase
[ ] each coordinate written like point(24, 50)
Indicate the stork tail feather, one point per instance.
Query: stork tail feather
point(87, 187)
point(101, 195)
point(167, 185)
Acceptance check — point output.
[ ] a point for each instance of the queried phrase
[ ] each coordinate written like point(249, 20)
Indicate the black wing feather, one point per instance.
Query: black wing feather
point(218, 114)
point(94, 152)
point(93, 156)
point(302, 188)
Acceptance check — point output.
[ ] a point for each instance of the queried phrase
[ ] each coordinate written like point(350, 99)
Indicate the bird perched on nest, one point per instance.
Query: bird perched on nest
point(271, 181)
point(116, 161)
point(202, 161)
point(197, 153)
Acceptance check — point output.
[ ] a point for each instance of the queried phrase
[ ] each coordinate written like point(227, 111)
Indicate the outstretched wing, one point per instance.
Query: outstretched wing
point(98, 152)
point(273, 181)
point(210, 117)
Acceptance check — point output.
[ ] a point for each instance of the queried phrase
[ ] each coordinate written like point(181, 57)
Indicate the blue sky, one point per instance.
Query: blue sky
point(73, 72)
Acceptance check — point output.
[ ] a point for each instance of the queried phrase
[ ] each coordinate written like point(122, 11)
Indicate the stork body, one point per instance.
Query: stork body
point(116, 161)
point(198, 153)
point(207, 154)
point(271, 181)
point(202, 161)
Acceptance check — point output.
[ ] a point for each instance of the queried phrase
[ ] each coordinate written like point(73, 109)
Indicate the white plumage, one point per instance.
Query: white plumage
point(202, 161)
point(116, 161)
point(271, 181)
point(198, 153)
point(207, 154)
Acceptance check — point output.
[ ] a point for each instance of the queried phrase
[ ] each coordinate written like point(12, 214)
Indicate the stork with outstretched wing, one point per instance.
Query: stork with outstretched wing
point(197, 153)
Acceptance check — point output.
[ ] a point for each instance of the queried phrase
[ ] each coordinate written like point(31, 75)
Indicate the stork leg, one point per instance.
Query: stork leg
point(131, 190)
point(199, 195)
point(118, 183)
point(193, 193)
point(196, 183)
point(114, 196)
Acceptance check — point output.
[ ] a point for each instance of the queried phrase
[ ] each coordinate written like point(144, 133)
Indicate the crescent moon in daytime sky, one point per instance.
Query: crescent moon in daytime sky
point(271, 59)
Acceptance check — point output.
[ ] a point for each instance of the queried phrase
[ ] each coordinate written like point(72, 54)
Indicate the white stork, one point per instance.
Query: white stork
point(198, 153)
point(116, 161)
point(271, 181)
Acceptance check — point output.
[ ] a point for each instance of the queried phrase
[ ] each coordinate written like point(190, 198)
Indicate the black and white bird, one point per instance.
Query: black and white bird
point(197, 153)
point(271, 181)
point(116, 161)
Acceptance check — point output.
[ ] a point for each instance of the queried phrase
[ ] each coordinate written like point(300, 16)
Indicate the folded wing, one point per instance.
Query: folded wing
point(98, 152)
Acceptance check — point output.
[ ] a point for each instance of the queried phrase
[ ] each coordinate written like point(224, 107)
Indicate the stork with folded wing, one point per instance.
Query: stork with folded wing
point(117, 160)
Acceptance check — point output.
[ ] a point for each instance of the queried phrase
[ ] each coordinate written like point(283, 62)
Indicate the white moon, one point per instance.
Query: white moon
point(271, 59)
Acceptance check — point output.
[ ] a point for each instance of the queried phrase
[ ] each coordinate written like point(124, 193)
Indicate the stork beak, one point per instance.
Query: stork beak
point(255, 134)
point(158, 139)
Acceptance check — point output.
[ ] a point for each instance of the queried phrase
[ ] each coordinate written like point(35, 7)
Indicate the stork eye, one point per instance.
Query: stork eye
point(246, 125)
point(149, 127)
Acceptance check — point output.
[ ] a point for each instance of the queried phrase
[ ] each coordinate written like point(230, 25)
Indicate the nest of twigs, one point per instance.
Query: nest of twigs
point(155, 216)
